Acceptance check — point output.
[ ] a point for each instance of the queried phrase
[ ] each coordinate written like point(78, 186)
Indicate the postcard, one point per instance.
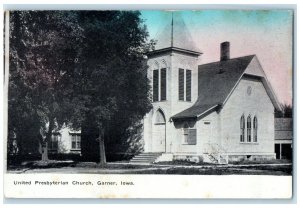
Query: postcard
point(149, 104)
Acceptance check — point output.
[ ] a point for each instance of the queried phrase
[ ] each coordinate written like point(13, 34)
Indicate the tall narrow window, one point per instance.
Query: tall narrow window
point(155, 85)
point(188, 85)
point(181, 84)
point(163, 84)
point(254, 129)
point(249, 129)
point(242, 127)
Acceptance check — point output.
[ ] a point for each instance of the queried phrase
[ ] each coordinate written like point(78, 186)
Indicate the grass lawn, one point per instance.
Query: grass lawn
point(245, 162)
point(174, 168)
point(274, 161)
point(281, 170)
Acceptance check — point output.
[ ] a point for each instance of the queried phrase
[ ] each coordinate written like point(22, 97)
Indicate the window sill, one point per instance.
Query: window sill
point(255, 143)
point(185, 101)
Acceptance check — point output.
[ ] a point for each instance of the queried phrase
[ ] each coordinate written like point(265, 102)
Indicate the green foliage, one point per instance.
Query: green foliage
point(44, 47)
point(67, 66)
point(113, 76)
point(113, 81)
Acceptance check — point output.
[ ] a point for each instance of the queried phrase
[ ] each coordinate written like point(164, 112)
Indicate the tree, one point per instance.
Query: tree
point(19, 104)
point(286, 112)
point(112, 79)
point(44, 49)
point(73, 66)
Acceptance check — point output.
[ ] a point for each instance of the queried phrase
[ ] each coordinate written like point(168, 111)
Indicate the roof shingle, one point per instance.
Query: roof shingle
point(215, 82)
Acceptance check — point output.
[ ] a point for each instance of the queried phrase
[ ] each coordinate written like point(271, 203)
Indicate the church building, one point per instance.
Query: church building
point(215, 112)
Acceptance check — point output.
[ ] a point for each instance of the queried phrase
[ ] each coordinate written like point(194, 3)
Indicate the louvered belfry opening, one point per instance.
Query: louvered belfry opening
point(185, 84)
point(188, 85)
point(181, 84)
point(163, 84)
point(159, 84)
point(155, 85)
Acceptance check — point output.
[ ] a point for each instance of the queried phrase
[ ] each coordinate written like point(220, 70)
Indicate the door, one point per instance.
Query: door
point(159, 138)
point(159, 132)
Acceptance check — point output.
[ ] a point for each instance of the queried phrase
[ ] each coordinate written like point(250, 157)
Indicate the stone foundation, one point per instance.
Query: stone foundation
point(189, 158)
point(200, 158)
point(239, 158)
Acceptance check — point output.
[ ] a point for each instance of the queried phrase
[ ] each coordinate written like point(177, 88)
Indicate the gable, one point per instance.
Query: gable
point(218, 80)
point(255, 69)
point(249, 95)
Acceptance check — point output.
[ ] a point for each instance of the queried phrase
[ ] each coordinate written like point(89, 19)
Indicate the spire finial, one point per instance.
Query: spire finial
point(172, 31)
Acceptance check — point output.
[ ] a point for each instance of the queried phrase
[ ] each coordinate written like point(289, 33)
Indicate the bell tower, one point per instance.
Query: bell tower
point(173, 74)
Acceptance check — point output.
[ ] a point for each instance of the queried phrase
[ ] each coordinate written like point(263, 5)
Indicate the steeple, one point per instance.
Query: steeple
point(176, 35)
point(172, 25)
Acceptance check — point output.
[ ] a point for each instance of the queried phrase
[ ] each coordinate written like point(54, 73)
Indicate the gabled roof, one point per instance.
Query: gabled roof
point(176, 35)
point(216, 81)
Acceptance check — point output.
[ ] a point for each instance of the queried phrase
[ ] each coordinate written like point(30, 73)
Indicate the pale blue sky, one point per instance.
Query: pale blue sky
point(266, 33)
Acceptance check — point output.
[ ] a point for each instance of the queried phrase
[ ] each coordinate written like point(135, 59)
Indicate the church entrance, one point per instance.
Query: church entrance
point(159, 132)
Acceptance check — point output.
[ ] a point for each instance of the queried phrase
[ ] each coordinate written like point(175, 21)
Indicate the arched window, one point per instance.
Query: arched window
point(254, 129)
point(242, 128)
point(249, 129)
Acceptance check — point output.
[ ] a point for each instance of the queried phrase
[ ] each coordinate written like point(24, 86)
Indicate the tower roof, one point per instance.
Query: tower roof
point(176, 35)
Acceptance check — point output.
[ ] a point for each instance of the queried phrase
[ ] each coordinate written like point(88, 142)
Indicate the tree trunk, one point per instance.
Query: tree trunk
point(46, 141)
point(102, 147)
point(45, 151)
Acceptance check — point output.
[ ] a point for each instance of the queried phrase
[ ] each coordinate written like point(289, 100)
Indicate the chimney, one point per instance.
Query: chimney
point(225, 51)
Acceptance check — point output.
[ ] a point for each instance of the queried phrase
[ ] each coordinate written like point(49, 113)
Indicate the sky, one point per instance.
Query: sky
point(265, 33)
